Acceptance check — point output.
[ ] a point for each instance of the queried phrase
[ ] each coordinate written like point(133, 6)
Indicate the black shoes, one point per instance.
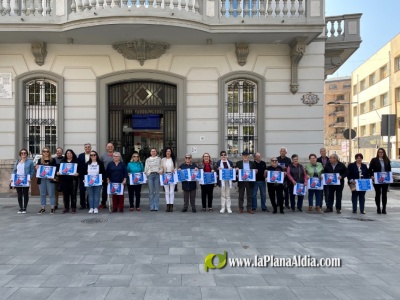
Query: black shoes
point(41, 211)
point(338, 211)
point(378, 211)
point(194, 209)
point(300, 209)
point(184, 209)
point(328, 210)
point(362, 212)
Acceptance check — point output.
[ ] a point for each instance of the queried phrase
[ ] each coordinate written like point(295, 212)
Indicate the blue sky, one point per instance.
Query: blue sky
point(380, 23)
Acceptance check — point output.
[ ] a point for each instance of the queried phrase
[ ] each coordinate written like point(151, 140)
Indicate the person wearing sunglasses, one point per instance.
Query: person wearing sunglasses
point(225, 185)
point(275, 190)
point(23, 166)
point(94, 166)
point(134, 190)
point(189, 187)
point(83, 158)
point(46, 185)
point(168, 165)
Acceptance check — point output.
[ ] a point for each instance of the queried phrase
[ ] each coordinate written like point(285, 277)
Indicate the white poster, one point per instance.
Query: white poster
point(5, 86)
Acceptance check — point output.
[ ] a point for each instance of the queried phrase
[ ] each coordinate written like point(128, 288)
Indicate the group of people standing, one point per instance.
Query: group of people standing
point(112, 168)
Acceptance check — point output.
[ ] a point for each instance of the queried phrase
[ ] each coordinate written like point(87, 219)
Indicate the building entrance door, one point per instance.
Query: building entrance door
point(142, 115)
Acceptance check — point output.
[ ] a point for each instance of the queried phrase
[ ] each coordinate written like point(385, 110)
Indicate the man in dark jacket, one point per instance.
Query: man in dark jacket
point(189, 187)
point(83, 158)
point(247, 186)
point(284, 161)
point(323, 159)
point(335, 166)
point(259, 184)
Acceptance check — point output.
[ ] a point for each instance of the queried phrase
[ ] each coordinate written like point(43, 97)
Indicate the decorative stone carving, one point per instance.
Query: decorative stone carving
point(141, 50)
point(298, 48)
point(242, 51)
point(309, 99)
point(39, 52)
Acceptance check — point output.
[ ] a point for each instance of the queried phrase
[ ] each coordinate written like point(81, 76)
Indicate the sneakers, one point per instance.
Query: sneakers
point(20, 211)
point(222, 210)
point(229, 211)
point(91, 211)
point(52, 211)
point(41, 211)
point(24, 211)
point(95, 211)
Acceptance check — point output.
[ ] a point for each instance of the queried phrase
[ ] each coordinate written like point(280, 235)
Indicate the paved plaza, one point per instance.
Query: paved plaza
point(159, 255)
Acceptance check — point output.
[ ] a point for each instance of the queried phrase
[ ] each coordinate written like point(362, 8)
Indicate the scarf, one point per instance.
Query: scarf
point(223, 181)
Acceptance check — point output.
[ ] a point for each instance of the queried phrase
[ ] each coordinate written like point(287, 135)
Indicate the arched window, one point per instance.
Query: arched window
point(40, 115)
point(241, 116)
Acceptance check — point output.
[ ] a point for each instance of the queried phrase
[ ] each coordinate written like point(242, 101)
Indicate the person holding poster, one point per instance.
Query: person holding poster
point(58, 158)
point(357, 170)
point(69, 183)
point(189, 187)
point(94, 167)
point(380, 163)
point(134, 190)
point(152, 170)
point(284, 162)
point(207, 190)
point(46, 185)
point(245, 186)
point(314, 169)
point(335, 166)
point(116, 173)
point(296, 173)
point(323, 159)
point(168, 165)
point(83, 158)
point(225, 185)
point(23, 166)
point(259, 184)
point(275, 190)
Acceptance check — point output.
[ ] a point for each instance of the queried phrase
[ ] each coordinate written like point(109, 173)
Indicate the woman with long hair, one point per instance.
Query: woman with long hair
point(380, 163)
point(168, 165)
point(152, 170)
point(357, 170)
point(207, 190)
point(23, 166)
point(46, 185)
point(134, 166)
point(69, 183)
point(94, 167)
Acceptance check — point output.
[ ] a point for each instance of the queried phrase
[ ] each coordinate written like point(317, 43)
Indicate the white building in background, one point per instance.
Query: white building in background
point(196, 75)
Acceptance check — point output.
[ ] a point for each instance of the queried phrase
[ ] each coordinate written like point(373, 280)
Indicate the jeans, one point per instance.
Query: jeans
point(47, 187)
point(94, 195)
point(153, 180)
point(318, 197)
point(259, 185)
point(361, 197)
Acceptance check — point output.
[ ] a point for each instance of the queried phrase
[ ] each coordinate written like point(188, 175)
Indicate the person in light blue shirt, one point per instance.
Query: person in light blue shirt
point(134, 166)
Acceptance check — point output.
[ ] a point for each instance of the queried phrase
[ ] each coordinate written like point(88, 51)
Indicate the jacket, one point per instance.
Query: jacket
point(354, 173)
point(163, 165)
point(188, 185)
point(319, 159)
point(297, 174)
point(310, 169)
point(28, 167)
point(375, 166)
point(340, 168)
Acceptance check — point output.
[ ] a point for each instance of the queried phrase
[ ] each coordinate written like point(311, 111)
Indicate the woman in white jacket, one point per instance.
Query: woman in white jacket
point(168, 165)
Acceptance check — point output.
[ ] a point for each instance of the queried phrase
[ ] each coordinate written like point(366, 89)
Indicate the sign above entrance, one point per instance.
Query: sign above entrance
point(145, 121)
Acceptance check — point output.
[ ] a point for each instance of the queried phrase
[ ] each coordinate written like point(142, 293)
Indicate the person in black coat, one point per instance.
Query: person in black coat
point(357, 170)
point(83, 158)
point(275, 190)
point(284, 162)
point(69, 182)
point(323, 159)
point(335, 166)
point(380, 163)
point(189, 187)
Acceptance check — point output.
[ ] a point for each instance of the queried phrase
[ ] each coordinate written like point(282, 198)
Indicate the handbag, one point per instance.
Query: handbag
point(352, 186)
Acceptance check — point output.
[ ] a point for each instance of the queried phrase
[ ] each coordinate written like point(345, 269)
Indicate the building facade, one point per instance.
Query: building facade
point(197, 76)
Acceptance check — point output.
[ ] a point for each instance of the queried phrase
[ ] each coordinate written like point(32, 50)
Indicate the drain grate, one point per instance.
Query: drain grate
point(359, 219)
point(94, 221)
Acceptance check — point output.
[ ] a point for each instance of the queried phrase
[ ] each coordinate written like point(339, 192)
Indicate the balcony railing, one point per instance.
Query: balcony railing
point(344, 28)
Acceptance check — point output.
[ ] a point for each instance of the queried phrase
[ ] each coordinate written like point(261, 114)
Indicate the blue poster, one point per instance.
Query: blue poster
point(114, 188)
point(93, 180)
point(20, 180)
point(330, 179)
point(137, 178)
point(195, 174)
point(209, 178)
point(383, 177)
point(227, 174)
point(314, 183)
point(299, 189)
point(68, 168)
point(182, 175)
point(168, 178)
point(45, 172)
point(283, 165)
point(364, 184)
point(247, 175)
point(275, 177)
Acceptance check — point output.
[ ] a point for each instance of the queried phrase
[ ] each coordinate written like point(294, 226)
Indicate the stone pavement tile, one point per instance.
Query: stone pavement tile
point(395, 258)
point(323, 280)
point(109, 244)
point(50, 251)
point(349, 260)
point(6, 292)
point(59, 259)
point(27, 270)
point(67, 269)
point(219, 292)
point(5, 258)
point(31, 294)
point(240, 280)
point(106, 269)
point(148, 251)
point(115, 251)
point(156, 280)
point(376, 259)
point(366, 280)
point(139, 268)
point(299, 271)
point(205, 244)
point(266, 292)
point(172, 293)
point(114, 280)
point(24, 259)
point(393, 291)
point(282, 280)
point(278, 251)
point(240, 251)
point(198, 280)
point(261, 270)
point(5, 269)
point(206, 251)
point(342, 270)
point(131, 293)
point(183, 269)
point(181, 251)
point(354, 293)
point(225, 270)
point(374, 269)
point(390, 278)
point(131, 259)
point(70, 281)
point(166, 259)
point(95, 259)
point(27, 281)
point(312, 293)
point(192, 259)
point(81, 293)
point(84, 251)
point(4, 279)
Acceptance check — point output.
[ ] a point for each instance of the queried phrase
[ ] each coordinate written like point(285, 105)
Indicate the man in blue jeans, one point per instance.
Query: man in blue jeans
point(261, 166)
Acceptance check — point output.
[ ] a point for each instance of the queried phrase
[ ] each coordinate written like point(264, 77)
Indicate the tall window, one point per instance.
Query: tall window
point(384, 100)
point(41, 115)
point(241, 117)
point(383, 72)
point(372, 79)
